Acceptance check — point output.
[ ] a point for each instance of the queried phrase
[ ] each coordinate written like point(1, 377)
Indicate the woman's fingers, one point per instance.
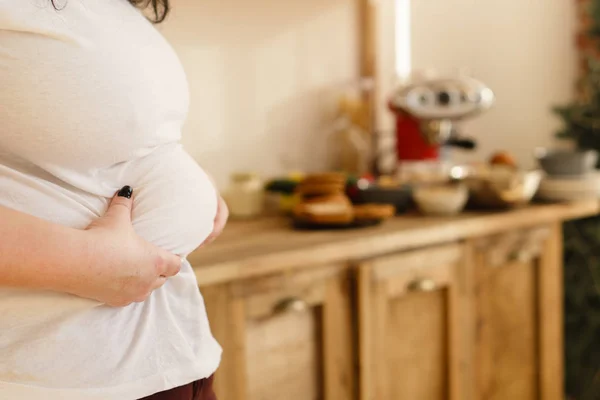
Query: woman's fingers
point(161, 280)
point(121, 204)
point(222, 215)
point(170, 269)
point(169, 265)
point(220, 220)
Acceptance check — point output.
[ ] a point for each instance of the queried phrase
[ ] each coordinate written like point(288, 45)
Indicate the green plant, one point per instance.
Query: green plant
point(581, 124)
point(594, 14)
point(581, 118)
point(582, 308)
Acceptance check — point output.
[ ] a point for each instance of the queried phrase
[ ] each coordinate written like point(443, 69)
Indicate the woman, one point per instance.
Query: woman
point(98, 304)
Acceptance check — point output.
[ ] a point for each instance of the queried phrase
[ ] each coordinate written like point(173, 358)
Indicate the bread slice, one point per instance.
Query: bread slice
point(326, 210)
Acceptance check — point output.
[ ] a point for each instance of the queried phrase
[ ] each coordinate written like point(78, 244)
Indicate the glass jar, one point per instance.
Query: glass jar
point(245, 195)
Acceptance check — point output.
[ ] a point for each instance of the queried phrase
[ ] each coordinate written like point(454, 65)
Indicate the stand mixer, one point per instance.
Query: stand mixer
point(426, 112)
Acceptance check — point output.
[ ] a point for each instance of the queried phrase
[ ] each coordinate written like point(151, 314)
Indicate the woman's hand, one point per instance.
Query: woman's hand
point(130, 268)
point(107, 262)
point(220, 220)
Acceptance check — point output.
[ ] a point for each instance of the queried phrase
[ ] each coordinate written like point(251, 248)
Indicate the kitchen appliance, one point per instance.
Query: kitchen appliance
point(427, 110)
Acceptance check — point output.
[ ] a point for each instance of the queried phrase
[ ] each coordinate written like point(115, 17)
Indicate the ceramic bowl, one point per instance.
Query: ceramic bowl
point(503, 187)
point(441, 199)
point(566, 162)
point(570, 189)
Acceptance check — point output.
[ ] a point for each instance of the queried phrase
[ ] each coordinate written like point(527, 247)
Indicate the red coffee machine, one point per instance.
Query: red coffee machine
point(426, 111)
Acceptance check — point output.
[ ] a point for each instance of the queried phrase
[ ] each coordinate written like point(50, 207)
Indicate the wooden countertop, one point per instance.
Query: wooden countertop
point(268, 245)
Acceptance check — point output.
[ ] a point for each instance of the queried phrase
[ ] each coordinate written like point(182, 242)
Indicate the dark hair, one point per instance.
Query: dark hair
point(160, 8)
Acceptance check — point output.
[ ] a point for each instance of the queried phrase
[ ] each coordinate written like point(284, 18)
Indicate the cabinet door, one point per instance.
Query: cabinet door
point(518, 315)
point(286, 336)
point(409, 326)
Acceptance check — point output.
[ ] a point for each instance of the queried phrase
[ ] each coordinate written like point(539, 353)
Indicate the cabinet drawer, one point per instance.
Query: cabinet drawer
point(409, 325)
point(517, 315)
point(286, 292)
point(417, 271)
point(522, 245)
point(285, 336)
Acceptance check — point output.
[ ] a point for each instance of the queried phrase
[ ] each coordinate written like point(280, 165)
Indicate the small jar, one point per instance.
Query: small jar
point(245, 195)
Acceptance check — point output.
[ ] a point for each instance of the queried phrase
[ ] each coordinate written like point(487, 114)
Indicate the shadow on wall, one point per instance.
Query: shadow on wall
point(259, 74)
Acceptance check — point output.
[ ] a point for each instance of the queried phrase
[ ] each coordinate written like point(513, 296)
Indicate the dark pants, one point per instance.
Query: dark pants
point(199, 390)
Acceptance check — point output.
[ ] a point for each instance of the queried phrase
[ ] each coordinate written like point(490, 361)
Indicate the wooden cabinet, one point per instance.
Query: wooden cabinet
point(409, 325)
point(477, 317)
point(286, 336)
point(518, 318)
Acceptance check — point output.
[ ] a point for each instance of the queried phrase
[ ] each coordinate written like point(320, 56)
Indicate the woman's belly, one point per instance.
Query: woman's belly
point(175, 203)
point(174, 206)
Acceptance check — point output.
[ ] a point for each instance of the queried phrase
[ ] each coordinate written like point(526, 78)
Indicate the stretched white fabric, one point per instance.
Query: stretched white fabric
point(92, 98)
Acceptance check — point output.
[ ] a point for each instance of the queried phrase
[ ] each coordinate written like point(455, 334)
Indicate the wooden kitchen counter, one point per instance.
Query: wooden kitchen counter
point(260, 247)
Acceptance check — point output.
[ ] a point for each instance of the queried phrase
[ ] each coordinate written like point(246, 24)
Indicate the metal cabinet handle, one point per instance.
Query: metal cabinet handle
point(290, 304)
point(519, 255)
point(514, 256)
point(422, 285)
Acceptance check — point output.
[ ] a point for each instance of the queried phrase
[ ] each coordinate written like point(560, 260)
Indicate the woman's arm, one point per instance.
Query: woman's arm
point(107, 262)
point(38, 254)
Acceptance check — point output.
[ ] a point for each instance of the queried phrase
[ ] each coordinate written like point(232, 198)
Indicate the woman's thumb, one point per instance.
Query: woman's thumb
point(120, 206)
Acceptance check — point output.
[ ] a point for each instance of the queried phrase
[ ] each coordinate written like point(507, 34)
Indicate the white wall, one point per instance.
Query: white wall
point(261, 74)
point(523, 49)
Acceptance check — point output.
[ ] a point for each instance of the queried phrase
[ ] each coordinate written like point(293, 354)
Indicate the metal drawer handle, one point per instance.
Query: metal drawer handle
point(290, 304)
point(520, 255)
point(422, 285)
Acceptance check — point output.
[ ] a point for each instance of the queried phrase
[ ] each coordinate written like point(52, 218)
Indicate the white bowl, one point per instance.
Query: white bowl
point(565, 189)
point(446, 199)
point(579, 183)
point(554, 195)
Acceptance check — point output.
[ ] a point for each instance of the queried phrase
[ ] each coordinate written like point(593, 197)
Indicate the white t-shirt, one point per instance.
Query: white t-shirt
point(92, 98)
